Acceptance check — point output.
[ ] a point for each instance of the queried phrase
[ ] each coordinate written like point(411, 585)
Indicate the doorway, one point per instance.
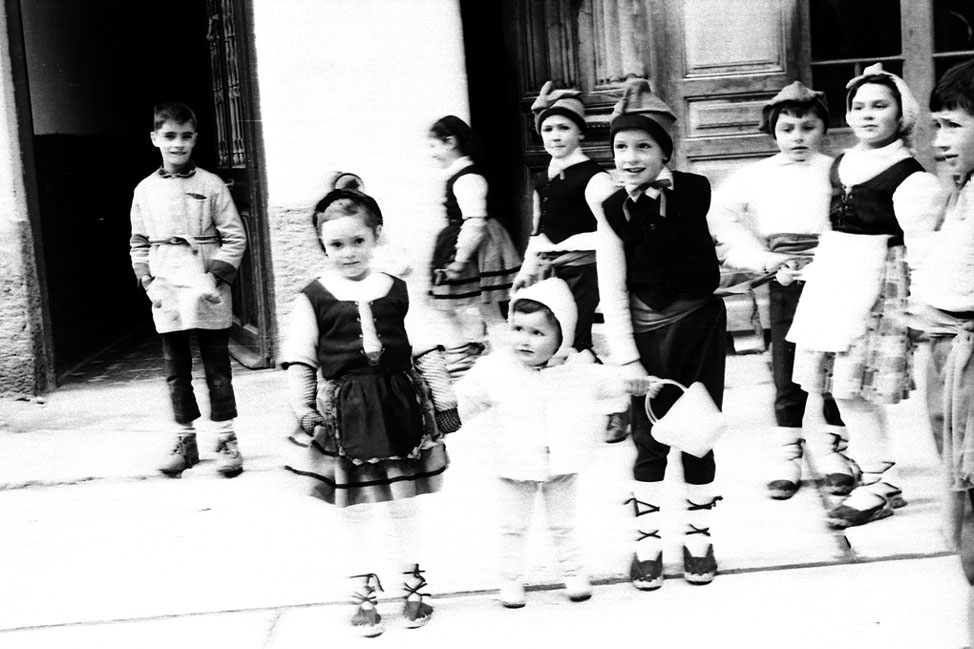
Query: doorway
point(94, 70)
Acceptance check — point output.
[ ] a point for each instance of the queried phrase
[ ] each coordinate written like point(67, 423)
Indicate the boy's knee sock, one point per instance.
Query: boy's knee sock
point(645, 500)
point(700, 501)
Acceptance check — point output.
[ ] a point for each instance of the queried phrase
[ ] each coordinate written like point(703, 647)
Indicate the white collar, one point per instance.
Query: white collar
point(458, 165)
point(556, 167)
point(891, 152)
point(652, 192)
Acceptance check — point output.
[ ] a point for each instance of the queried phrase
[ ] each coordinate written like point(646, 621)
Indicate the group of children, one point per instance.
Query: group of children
point(373, 396)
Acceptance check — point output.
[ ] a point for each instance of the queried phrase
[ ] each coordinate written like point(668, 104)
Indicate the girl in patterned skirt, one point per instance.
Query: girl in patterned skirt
point(374, 425)
point(883, 206)
point(474, 261)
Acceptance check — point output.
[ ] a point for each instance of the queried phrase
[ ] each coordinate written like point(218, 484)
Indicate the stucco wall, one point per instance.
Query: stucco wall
point(23, 365)
point(354, 85)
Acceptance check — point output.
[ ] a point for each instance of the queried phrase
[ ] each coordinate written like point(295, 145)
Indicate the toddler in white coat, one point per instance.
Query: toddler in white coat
point(550, 405)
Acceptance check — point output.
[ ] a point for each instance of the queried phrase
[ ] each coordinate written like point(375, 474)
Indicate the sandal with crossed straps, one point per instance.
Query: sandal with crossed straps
point(700, 570)
point(416, 612)
point(367, 622)
point(645, 575)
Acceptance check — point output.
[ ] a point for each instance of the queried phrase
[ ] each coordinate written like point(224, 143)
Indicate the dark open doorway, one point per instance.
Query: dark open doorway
point(94, 69)
point(494, 111)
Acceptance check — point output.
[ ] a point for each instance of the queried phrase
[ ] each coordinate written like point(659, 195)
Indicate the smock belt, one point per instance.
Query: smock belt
point(192, 242)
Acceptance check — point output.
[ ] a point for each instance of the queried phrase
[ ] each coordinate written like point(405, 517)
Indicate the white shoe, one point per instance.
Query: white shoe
point(512, 594)
point(578, 588)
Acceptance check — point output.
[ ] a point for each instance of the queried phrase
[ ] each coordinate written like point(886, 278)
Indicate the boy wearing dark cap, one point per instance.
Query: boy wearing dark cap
point(768, 217)
point(658, 271)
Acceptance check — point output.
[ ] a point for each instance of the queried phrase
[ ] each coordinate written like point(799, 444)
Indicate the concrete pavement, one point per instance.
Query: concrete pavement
point(97, 550)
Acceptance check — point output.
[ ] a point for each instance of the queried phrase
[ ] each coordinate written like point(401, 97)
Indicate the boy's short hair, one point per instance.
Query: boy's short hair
point(527, 305)
point(797, 110)
point(955, 90)
point(174, 111)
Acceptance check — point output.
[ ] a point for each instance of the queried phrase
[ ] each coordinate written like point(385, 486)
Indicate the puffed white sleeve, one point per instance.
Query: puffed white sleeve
point(737, 245)
point(471, 193)
point(613, 295)
point(300, 358)
point(919, 203)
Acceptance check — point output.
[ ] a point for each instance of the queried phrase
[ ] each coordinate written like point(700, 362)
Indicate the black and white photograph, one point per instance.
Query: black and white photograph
point(441, 323)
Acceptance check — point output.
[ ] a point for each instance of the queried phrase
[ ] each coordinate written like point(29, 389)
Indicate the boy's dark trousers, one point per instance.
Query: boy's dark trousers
point(214, 351)
point(789, 400)
point(691, 349)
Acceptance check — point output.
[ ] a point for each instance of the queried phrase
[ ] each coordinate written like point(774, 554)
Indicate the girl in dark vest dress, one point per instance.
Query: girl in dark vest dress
point(372, 408)
point(474, 261)
point(658, 271)
point(563, 237)
point(848, 339)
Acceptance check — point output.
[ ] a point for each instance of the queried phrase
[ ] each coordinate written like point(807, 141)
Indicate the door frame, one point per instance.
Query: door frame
point(260, 353)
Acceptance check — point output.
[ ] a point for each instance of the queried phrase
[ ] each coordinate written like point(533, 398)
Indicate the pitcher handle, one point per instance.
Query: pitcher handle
point(649, 408)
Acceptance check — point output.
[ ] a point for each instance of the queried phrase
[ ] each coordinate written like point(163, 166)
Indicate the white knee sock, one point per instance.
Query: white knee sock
point(645, 501)
point(700, 501)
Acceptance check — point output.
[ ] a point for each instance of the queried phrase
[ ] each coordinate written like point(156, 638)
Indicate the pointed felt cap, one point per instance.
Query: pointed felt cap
point(564, 102)
point(795, 93)
point(641, 108)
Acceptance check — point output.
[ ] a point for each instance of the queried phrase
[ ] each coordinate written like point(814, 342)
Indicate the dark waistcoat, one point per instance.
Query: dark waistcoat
point(672, 256)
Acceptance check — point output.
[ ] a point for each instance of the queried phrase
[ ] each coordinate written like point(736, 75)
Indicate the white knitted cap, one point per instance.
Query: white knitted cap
point(554, 294)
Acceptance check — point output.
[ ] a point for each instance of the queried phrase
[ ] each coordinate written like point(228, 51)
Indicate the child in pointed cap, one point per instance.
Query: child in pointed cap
point(849, 340)
point(657, 274)
point(562, 242)
point(768, 217)
point(547, 404)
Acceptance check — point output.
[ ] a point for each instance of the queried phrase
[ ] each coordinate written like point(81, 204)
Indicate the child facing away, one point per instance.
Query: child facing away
point(186, 245)
point(374, 423)
point(848, 339)
point(549, 403)
point(768, 217)
point(943, 299)
point(657, 274)
point(474, 261)
point(562, 243)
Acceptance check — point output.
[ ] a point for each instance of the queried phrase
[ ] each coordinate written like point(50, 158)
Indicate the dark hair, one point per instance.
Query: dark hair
point(468, 142)
point(797, 109)
point(527, 305)
point(955, 90)
point(340, 203)
point(878, 79)
point(175, 111)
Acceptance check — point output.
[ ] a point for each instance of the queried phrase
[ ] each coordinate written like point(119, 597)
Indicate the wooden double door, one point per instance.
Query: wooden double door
point(239, 160)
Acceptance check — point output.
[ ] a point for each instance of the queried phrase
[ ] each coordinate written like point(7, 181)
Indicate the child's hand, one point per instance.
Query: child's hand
point(648, 386)
point(788, 273)
point(210, 292)
point(454, 269)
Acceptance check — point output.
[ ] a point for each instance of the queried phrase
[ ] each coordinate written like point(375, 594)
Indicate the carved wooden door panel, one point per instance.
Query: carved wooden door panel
point(722, 60)
point(238, 158)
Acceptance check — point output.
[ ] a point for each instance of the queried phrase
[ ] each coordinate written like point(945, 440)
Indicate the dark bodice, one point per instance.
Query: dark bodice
point(340, 332)
point(453, 213)
point(564, 212)
point(867, 208)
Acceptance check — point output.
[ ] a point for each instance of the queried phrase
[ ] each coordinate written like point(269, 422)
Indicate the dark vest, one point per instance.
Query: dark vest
point(868, 208)
point(340, 333)
point(453, 213)
point(667, 257)
point(564, 211)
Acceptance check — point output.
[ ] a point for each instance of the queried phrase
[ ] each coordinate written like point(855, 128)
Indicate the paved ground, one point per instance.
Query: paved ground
point(96, 550)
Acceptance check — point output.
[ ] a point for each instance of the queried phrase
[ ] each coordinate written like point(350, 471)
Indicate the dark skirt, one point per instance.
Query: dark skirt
point(486, 278)
point(379, 442)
